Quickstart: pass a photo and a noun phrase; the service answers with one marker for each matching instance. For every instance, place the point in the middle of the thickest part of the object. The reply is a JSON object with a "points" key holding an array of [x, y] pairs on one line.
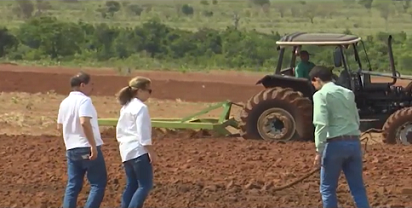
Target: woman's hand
{"points": [[153, 157], [151, 153]]}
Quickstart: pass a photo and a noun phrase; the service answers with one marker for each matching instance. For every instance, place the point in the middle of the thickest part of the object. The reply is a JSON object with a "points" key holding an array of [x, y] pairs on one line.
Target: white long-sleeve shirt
{"points": [[133, 130]]}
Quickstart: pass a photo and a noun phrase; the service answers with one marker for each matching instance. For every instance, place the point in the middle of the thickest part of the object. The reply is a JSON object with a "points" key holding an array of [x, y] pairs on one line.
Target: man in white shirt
{"points": [[77, 119]]}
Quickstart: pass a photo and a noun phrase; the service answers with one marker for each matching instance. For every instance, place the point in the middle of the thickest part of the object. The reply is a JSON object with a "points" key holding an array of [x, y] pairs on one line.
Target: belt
{"points": [[343, 138]]}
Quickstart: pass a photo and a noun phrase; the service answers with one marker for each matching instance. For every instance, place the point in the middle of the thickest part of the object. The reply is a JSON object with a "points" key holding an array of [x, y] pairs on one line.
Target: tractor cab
{"points": [[350, 76]]}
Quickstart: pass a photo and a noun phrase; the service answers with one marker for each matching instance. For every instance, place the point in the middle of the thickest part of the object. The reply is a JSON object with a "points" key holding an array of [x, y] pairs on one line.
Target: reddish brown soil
{"points": [[202, 87], [167, 85], [208, 172], [200, 173]]}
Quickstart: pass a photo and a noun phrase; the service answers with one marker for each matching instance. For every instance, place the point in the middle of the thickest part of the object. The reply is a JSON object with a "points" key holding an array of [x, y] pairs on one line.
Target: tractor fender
{"points": [[298, 84]]}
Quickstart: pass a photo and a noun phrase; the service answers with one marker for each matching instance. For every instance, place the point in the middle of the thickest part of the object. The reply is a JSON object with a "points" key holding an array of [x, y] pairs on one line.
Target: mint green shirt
{"points": [[334, 114], [303, 68]]}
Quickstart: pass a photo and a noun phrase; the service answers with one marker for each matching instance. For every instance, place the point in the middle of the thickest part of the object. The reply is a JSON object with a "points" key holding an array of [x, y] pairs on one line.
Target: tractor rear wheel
{"points": [[398, 127], [279, 114]]}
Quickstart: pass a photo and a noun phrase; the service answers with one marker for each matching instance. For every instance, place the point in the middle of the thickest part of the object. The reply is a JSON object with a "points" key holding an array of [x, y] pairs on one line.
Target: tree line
{"points": [[46, 37], [310, 10]]}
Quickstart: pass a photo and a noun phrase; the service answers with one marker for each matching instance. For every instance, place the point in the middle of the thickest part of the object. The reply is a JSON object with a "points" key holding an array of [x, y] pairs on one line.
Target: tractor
{"points": [[283, 110]]}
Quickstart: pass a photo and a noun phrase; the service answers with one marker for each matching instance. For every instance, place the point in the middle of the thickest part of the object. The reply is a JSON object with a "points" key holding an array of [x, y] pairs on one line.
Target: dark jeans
{"points": [[343, 156], [139, 173], [95, 171]]}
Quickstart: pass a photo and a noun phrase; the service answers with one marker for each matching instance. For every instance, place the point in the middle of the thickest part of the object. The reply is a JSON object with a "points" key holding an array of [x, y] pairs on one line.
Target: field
{"points": [[192, 172], [222, 34]]}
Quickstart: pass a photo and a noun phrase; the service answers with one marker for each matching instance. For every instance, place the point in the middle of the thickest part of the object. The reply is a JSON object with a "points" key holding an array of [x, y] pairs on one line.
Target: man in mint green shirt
{"points": [[338, 146], [303, 68]]}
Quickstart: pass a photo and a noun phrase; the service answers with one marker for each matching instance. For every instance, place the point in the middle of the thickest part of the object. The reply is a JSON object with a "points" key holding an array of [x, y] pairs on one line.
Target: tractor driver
{"points": [[303, 68]]}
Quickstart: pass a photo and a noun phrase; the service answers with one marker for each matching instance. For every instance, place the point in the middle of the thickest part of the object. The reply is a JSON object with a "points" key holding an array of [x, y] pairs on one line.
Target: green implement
{"points": [[194, 121]]}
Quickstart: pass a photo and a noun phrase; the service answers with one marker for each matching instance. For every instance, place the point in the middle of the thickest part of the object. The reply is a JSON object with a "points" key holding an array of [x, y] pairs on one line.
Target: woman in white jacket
{"points": [[133, 132]]}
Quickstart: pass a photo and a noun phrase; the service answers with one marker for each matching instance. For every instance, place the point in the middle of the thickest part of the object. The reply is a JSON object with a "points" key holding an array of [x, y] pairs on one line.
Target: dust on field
{"points": [[35, 114]]}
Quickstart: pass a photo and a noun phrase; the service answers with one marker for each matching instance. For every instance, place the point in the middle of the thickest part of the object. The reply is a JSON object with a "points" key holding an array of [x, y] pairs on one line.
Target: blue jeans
{"points": [[139, 182], [95, 171], [343, 156]]}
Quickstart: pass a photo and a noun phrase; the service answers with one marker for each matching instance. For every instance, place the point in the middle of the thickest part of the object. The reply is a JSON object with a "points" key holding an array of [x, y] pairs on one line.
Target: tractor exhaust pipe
{"points": [[392, 61]]}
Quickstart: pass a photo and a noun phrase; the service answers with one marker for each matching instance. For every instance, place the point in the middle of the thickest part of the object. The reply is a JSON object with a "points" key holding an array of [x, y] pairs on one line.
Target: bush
{"points": [[187, 10], [135, 9], [47, 37]]}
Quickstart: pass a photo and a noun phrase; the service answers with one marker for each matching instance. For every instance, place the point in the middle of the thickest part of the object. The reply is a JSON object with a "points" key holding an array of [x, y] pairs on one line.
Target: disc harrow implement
{"points": [[195, 124]]}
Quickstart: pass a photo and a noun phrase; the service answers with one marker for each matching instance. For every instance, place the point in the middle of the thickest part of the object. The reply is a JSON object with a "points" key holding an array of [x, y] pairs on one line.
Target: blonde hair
{"points": [[126, 94]]}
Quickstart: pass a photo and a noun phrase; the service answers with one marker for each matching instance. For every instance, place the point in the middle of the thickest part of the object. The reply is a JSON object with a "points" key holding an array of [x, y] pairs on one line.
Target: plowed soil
{"points": [[191, 172]]}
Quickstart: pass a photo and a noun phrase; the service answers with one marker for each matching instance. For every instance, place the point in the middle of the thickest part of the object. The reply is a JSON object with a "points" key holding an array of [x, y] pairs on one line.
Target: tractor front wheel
{"points": [[398, 127], [279, 114]]}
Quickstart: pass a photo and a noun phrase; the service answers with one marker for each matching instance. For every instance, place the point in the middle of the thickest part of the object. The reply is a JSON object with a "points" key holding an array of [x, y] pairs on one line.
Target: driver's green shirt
{"points": [[303, 68]]}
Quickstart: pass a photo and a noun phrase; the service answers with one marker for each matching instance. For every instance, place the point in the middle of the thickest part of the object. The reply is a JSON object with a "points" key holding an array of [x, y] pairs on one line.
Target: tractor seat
{"points": [[376, 87], [344, 80], [288, 71]]}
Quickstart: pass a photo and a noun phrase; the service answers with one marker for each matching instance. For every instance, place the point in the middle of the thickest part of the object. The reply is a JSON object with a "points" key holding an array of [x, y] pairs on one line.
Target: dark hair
{"points": [[321, 72], [80, 78], [126, 94], [304, 53]]}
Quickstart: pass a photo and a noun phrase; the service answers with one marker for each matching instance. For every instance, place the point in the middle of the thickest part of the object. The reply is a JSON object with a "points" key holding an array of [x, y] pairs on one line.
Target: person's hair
{"points": [[305, 53], [126, 94], [79, 78], [321, 72]]}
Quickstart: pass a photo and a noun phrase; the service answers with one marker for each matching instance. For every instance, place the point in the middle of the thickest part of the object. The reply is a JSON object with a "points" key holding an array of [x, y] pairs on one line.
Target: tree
{"points": [[7, 41], [260, 2], [204, 2], [109, 9], [112, 7], [236, 19], [51, 37], [295, 10], [366, 3], [385, 9], [135, 9], [42, 5], [348, 4], [207, 13], [406, 5], [281, 8], [311, 11], [401, 6], [24, 8], [187, 10]]}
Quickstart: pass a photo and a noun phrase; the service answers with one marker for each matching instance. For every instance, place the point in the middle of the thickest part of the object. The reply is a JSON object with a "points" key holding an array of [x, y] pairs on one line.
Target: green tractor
{"points": [[283, 110]]}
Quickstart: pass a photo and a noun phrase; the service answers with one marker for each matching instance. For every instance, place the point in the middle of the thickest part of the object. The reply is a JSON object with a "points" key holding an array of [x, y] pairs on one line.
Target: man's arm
{"points": [[85, 115], [144, 126], [59, 120], [355, 108], [311, 66], [320, 120], [59, 126]]}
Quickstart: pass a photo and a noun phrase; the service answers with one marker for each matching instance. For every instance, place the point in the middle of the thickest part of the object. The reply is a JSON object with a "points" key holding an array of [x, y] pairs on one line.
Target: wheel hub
{"points": [[405, 134], [276, 124]]}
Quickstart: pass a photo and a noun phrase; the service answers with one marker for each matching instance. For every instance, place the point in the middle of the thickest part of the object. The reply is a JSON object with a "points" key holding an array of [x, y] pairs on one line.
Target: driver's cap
{"points": [[304, 52]]}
